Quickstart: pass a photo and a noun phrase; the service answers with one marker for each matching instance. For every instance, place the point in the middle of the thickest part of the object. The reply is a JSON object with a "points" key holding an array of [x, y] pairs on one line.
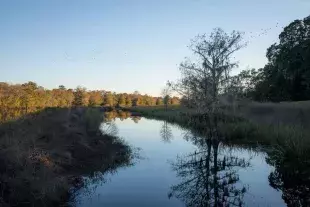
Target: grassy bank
{"points": [[286, 142], [289, 139], [45, 153]]}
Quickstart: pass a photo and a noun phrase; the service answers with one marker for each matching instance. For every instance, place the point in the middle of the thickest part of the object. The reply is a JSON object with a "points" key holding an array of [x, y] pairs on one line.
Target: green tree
{"points": [[122, 100], [128, 101], [108, 99], [95, 98], [159, 101], [140, 101], [287, 74], [81, 98], [29, 94]]}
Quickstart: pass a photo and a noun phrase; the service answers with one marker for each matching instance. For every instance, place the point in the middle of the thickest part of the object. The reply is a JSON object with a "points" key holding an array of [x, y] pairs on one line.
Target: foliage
{"points": [[95, 98], [286, 76], [30, 95], [81, 98]]}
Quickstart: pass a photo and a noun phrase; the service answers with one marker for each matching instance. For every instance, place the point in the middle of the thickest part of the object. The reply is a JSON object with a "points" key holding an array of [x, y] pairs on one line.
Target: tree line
{"points": [[30, 95], [286, 76], [206, 79]]}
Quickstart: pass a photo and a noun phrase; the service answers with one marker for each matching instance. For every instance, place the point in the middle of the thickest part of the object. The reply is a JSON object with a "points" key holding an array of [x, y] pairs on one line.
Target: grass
{"points": [[276, 129], [282, 135], [286, 113], [44, 154]]}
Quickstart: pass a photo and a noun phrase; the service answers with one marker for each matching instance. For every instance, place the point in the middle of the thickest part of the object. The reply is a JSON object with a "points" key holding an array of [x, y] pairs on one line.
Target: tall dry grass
{"points": [[283, 127], [43, 154]]}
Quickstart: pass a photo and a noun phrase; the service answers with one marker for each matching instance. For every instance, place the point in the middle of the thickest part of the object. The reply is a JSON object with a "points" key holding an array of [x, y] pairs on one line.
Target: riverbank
{"points": [[44, 154], [288, 139]]}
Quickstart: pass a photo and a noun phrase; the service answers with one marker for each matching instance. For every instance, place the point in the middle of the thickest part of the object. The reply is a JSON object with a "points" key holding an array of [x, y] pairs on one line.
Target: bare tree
{"points": [[203, 79], [209, 176]]}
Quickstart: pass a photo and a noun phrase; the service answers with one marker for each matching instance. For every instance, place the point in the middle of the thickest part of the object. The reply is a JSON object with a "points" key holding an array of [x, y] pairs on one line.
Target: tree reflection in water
{"points": [[7, 114], [136, 119], [109, 128], [166, 132], [122, 115], [292, 177], [209, 177], [112, 115]]}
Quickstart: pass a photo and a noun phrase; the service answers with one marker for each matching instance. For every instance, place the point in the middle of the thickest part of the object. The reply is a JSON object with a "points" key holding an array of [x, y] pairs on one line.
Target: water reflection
{"points": [[209, 177], [291, 177], [109, 128], [97, 178], [166, 132], [136, 119], [208, 172], [122, 115], [112, 115]]}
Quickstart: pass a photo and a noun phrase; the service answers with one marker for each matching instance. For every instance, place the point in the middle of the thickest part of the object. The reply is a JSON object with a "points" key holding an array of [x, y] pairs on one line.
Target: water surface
{"points": [[177, 168]]}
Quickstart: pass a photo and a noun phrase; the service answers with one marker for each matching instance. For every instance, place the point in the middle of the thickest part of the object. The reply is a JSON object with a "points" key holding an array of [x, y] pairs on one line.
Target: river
{"points": [[176, 168]]}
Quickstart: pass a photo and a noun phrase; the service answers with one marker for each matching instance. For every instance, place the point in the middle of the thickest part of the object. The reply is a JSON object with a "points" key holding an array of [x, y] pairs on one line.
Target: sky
{"points": [[127, 45]]}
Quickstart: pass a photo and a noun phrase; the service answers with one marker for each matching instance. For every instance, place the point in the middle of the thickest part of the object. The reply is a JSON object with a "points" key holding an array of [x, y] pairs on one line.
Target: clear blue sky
{"points": [[126, 45]]}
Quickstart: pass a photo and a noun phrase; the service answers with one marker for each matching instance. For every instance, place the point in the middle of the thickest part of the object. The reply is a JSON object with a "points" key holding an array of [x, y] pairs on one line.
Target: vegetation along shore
{"points": [[47, 152]]}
